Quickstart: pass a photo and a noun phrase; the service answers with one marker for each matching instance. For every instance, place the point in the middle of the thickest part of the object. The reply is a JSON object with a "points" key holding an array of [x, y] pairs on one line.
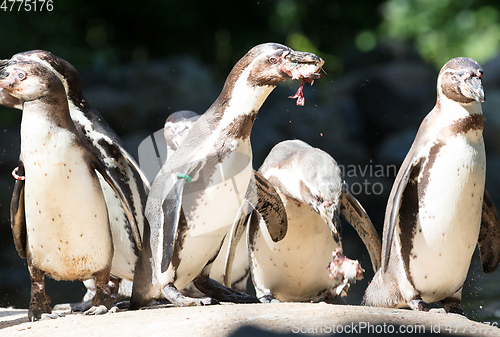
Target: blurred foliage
{"points": [[444, 29], [103, 34], [106, 33]]}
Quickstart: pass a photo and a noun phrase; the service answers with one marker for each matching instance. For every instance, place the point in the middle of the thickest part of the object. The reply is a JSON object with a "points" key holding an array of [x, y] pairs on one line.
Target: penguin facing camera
{"points": [[438, 209]]}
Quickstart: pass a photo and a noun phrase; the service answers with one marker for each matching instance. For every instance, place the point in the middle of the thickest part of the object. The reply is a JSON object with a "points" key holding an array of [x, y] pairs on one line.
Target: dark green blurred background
{"points": [[142, 61]]}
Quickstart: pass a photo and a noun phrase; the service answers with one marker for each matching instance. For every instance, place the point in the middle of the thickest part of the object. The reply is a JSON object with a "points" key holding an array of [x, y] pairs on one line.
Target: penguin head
{"points": [[307, 175], [177, 127], [7, 99], [460, 80], [272, 63], [321, 187], [66, 73], [28, 81]]}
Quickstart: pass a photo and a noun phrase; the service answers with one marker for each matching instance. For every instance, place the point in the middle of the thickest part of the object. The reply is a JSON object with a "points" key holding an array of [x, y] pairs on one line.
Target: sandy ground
{"points": [[245, 320]]}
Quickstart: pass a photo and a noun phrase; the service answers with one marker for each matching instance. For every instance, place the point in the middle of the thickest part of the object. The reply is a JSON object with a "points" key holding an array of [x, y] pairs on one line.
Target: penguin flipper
{"points": [[125, 199], [263, 198], [115, 144], [18, 216], [240, 223], [134, 165], [489, 235], [394, 213], [172, 209], [352, 211], [271, 208]]}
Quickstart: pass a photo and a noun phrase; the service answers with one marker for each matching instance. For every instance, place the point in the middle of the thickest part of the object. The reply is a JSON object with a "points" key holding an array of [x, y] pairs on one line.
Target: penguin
{"points": [[198, 193], [103, 142], [176, 129], [438, 209], [61, 221], [309, 182]]}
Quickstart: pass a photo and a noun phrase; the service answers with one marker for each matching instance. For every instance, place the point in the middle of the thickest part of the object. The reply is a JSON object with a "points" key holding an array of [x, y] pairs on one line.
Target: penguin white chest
{"points": [[294, 269], [210, 211], [66, 217], [448, 221]]}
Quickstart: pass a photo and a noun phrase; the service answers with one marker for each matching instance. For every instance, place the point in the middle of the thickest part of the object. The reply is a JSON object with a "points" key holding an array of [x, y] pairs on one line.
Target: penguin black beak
{"points": [[3, 72], [473, 89], [309, 62], [331, 216], [5, 79], [6, 99], [303, 57]]}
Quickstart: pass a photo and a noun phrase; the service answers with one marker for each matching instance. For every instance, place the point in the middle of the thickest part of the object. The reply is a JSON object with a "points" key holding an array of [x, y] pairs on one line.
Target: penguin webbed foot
{"points": [[452, 306], [267, 298], [419, 305], [100, 310], [75, 307], [85, 305], [102, 301], [87, 308], [39, 306], [52, 315], [39, 301], [222, 293], [171, 293], [122, 305], [332, 298]]}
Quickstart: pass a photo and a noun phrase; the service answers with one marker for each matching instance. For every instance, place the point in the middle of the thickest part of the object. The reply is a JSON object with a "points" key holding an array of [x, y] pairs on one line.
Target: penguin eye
{"points": [[273, 59], [21, 75]]}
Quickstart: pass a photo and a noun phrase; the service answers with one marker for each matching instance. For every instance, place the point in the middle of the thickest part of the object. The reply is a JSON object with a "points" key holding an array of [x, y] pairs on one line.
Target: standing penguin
{"points": [[61, 222], [309, 183], [198, 193], [433, 216], [102, 141]]}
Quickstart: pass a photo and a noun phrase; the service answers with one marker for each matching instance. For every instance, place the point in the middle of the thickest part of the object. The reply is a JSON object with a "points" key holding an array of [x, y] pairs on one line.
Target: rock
{"points": [[239, 320]]}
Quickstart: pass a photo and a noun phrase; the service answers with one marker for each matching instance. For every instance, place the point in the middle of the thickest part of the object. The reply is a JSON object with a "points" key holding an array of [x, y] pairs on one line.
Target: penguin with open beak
{"points": [[438, 209], [198, 193]]}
